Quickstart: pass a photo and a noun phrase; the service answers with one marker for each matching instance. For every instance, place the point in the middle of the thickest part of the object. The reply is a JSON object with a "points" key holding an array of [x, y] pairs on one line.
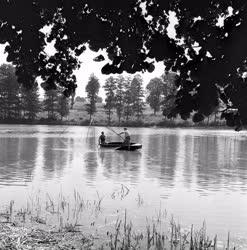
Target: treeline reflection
{"points": [[206, 163], [209, 162], [19, 157]]}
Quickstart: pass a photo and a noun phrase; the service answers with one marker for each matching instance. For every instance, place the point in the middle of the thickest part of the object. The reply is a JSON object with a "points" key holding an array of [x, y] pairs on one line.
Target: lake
{"points": [[191, 174]]}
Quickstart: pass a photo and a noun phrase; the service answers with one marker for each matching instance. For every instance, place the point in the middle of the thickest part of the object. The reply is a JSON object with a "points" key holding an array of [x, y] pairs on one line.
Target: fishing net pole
{"points": [[111, 129]]}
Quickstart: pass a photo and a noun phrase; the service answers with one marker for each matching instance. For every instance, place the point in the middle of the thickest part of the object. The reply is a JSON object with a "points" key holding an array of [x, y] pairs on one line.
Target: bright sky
{"points": [[88, 66]]}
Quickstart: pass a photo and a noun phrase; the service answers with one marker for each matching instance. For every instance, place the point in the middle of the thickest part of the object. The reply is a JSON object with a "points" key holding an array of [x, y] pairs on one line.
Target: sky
{"points": [[88, 66]]}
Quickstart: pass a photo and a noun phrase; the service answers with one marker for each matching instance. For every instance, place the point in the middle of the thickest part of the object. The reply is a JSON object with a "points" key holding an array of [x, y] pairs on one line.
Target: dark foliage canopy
{"points": [[208, 55]]}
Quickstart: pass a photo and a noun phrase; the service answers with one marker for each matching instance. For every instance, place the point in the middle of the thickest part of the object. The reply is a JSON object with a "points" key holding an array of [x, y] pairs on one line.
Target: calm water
{"points": [[193, 174]]}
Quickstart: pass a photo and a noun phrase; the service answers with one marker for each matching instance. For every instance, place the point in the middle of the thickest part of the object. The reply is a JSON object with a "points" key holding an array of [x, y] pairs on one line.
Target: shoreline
{"points": [[86, 123], [24, 230]]}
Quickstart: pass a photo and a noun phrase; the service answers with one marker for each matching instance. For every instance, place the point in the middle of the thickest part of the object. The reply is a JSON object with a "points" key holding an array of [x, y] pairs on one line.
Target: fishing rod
{"points": [[114, 132]]}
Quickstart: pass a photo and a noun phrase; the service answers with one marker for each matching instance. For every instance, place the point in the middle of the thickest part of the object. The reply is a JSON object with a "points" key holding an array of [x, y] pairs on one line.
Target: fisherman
{"points": [[126, 136], [102, 138]]}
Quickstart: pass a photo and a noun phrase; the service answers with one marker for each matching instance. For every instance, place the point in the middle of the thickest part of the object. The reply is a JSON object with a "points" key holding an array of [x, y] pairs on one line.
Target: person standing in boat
{"points": [[102, 138], [126, 136]]}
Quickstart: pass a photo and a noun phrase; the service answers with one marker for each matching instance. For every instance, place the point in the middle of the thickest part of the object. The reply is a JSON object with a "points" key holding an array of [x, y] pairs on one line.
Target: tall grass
{"points": [[125, 237], [160, 232]]}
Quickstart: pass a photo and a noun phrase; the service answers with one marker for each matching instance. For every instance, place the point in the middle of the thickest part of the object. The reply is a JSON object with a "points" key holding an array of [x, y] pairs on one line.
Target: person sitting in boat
{"points": [[126, 136], [102, 138]]}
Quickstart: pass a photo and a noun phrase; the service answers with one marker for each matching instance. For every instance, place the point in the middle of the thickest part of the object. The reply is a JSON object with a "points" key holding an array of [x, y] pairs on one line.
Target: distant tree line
{"points": [[55, 104], [125, 96], [161, 92], [18, 102]]}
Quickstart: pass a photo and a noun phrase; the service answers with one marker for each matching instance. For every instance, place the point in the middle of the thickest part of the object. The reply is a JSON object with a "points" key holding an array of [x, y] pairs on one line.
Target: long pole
{"points": [[115, 132]]}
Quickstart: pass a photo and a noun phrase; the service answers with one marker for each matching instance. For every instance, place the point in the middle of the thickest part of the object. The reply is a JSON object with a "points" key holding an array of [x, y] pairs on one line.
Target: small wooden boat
{"points": [[131, 147], [113, 144]]}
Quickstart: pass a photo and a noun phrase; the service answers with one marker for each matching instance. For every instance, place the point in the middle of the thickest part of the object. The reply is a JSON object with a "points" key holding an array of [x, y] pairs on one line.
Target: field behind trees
{"points": [[79, 116]]}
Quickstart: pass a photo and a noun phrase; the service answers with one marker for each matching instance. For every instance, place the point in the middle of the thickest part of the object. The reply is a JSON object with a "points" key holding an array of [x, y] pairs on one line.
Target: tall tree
{"points": [[154, 89], [127, 99], [63, 106], [120, 97], [30, 102], [169, 91], [80, 99], [110, 89], [9, 93], [92, 90], [99, 99], [50, 103], [137, 94]]}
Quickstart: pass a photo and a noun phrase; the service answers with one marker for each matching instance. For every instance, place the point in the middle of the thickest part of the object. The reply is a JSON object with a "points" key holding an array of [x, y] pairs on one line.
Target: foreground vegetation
{"points": [[58, 225], [15, 236]]}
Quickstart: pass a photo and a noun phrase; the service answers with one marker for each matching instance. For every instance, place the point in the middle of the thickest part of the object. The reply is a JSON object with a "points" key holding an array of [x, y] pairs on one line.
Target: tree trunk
{"points": [[109, 116]]}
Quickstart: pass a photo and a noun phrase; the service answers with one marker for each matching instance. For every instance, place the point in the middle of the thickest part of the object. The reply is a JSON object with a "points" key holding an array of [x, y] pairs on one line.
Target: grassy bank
{"points": [[32, 228], [79, 117], [14, 236]]}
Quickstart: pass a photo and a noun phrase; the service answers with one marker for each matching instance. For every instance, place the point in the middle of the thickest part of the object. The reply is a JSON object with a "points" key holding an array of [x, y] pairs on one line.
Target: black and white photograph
{"points": [[123, 124]]}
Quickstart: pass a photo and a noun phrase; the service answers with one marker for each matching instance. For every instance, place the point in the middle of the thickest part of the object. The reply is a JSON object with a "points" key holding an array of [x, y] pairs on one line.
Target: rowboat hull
{"points": [[112, 144], [130, 147]]}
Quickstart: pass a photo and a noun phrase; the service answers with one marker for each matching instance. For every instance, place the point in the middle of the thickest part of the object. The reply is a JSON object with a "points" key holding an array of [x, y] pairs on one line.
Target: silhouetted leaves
{"points": [[99, 58], [208, 53]]}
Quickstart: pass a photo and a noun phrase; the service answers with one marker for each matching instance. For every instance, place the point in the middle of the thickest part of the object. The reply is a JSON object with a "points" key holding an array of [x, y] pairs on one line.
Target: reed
{"points": [[160, 232], [125, 236]]}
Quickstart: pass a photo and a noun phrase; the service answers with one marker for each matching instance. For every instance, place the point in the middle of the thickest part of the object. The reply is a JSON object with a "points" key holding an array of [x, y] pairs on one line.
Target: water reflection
{"points": [[17, 160], [190, 168], [161, 158], [206, 157], [90, 158], [202, 162], [120, 165], [56, 156], [188, 172], [218, 165], [91, 165]]}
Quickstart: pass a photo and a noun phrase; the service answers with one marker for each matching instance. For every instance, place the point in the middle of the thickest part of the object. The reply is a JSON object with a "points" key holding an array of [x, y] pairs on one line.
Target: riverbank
{"points": [[46, 223], [34, 233], [162, 124], [23, 237], [78, 116]]}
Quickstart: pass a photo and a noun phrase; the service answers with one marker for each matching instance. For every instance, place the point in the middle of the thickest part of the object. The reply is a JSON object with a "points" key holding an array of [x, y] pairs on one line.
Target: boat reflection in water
{"points": [[121, 146]]}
